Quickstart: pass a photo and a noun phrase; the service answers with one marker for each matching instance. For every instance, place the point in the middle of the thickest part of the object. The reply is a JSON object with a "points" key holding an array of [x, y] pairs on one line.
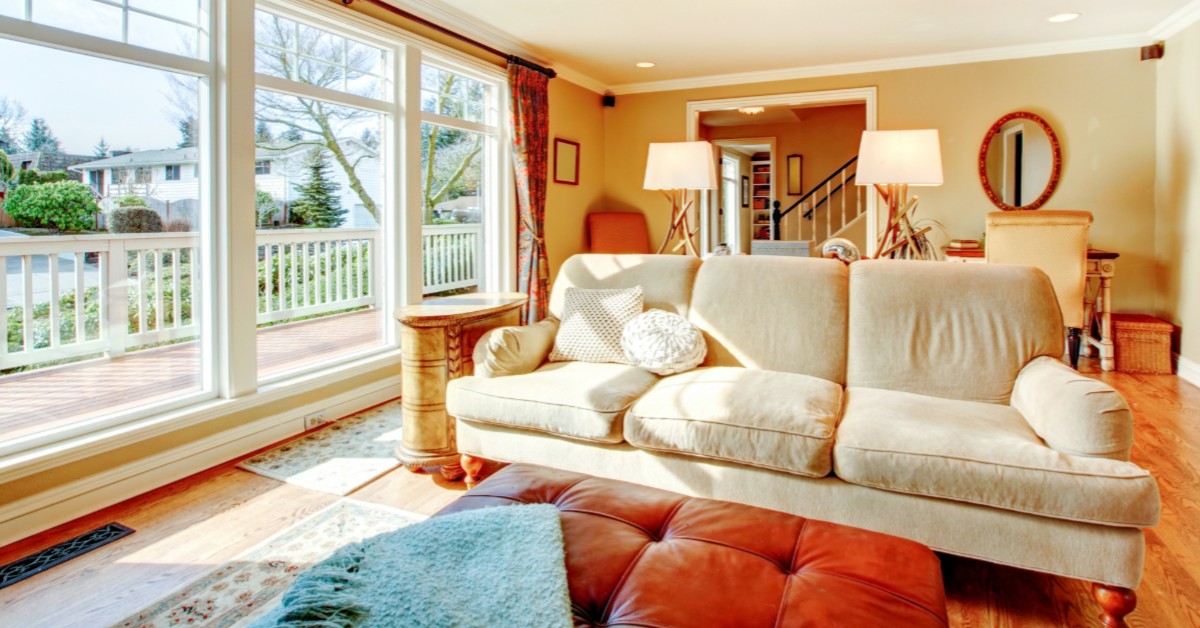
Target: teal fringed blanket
{"points": [[500, 566]]}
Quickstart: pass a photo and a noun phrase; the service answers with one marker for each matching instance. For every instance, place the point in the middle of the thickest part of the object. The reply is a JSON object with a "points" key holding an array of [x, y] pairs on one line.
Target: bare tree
{"points": [[447, 154], [12, 118]]}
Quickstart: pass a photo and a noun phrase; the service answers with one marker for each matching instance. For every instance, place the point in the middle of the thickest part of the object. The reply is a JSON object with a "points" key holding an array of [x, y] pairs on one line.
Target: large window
{"points": [[158, 290], [100, 321], [321, 202], [459, 129]]}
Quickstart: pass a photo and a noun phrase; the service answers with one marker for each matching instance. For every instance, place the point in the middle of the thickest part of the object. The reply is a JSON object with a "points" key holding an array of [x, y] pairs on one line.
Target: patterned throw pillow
{"points": [[663, 343], [592, 321]]}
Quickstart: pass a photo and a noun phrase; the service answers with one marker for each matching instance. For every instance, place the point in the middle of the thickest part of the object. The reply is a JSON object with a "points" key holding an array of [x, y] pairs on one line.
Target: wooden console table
{"points": [[437, 339], [1101, 266]]}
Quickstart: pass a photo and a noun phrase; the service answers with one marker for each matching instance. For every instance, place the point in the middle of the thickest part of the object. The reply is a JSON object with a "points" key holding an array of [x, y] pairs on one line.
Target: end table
{"points": [[437, 338]]}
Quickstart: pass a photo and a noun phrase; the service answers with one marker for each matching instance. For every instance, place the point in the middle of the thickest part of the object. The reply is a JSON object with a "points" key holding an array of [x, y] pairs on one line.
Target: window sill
{"points": [[46, 456]]}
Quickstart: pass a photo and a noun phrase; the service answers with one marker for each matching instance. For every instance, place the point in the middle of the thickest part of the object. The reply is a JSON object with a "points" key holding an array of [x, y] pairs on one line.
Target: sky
{"points": [[84, 98]]}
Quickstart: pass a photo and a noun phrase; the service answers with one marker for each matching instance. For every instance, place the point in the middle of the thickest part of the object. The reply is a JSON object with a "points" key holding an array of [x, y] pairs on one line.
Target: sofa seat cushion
{"points": [[984, 454], [577, 399], [781, 421]]}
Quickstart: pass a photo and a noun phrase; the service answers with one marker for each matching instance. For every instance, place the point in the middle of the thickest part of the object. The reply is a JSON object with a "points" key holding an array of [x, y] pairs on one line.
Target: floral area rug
{"points": [[250, 585], [339, 458]]}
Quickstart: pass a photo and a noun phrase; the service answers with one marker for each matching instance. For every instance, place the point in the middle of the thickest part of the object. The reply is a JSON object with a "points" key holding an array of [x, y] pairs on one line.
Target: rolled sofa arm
{"points": [[1073, 413], [514, 350]]}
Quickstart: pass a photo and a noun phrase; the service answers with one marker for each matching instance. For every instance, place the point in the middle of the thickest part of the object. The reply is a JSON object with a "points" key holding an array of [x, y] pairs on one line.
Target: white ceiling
{"points": [[598, 43]]}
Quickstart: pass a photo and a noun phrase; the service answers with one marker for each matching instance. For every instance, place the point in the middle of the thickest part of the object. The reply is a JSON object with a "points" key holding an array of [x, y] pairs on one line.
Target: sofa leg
{"points": [[473, 467], [1074, 342], [1117, 602]]}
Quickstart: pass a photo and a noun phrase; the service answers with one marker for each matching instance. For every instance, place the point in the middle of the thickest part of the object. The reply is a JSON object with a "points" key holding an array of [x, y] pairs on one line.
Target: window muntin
{"points": [[262, 166], [174, 26], [294, 51], [452, 94]]}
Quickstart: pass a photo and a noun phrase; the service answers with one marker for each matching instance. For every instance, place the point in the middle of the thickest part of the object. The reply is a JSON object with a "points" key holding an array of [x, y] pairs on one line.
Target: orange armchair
{"points": [[618, 232]]}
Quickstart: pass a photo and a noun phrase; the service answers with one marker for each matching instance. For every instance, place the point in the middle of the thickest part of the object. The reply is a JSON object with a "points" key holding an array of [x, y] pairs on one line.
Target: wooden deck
{"points": [[44, 399]]}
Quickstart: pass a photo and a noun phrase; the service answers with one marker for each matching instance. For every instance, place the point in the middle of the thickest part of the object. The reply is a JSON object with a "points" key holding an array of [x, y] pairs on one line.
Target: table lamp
{"points": [[892, 161], [676, 168]]}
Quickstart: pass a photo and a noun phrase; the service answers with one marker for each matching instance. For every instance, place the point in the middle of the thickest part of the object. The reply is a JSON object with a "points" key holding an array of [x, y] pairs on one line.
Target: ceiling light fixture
{"points": [[644, 64], [1063, 17], [752, 111]]}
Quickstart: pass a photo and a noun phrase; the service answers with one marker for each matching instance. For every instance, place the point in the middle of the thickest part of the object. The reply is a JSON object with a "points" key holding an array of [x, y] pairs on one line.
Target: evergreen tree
{"points": [[319, 204], [292, 134], [101, 149], [262, 133], [39, 138], [188, 128]]}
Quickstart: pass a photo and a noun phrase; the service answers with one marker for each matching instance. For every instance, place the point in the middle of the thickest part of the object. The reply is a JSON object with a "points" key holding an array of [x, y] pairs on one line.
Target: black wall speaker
{"points": [[609, 100]]}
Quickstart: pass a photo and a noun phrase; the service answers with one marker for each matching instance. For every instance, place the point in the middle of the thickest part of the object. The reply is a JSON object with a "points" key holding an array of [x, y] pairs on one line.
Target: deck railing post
{"points": [[114, 297]]}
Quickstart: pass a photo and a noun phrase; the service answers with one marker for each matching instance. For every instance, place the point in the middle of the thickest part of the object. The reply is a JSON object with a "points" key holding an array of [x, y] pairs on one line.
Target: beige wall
{"points": [[577, 115], [1178, 189], [1102, 105]]}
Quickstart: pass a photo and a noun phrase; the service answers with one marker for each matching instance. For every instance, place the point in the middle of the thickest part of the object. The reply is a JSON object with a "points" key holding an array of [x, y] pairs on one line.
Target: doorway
{"points": [[713, 221]]}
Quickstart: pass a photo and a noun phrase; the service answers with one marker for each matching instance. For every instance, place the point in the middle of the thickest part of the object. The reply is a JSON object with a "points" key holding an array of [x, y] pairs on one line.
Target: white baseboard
{"points": [[42, 511], [1187, 370]]}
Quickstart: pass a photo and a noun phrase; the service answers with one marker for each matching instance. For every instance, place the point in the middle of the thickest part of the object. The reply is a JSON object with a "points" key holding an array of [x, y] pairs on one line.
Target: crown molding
{"points": [[898, 63], [1177, 21], [452, 18]]}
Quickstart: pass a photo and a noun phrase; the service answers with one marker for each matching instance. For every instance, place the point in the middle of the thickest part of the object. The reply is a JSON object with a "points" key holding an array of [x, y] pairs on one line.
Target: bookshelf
{"points": [[761, 193]]}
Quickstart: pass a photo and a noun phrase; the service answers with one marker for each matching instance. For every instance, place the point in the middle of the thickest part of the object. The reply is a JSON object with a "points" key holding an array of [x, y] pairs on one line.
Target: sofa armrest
{"points": [[514, 350], [1073, 413]]}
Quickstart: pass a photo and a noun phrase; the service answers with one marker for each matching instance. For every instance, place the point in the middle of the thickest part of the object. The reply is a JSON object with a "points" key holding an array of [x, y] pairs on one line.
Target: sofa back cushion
{"points": [[666, 280], [957, 331], [775, 313]]}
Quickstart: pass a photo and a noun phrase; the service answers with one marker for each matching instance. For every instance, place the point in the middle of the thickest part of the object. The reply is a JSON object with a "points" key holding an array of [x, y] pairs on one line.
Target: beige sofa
{"points": [[924, 400]]}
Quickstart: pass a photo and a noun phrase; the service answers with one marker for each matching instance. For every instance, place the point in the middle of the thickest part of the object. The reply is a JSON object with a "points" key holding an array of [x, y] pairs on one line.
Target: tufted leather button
{"points": [[647, 557]]}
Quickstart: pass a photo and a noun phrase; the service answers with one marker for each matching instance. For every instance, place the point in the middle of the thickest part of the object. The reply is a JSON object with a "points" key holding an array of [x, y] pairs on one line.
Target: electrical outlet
{"points": [[314, 420]]}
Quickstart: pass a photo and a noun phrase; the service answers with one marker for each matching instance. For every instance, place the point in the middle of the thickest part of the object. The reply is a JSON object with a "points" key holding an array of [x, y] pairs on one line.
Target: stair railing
{"points": [[821, 194]]}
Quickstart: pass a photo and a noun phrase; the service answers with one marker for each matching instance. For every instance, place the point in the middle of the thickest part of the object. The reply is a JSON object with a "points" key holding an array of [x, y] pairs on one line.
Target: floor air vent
{"points": [[34, 564]]}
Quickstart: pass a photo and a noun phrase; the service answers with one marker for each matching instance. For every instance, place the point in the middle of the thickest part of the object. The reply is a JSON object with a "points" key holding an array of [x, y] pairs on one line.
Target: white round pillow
{"points": [[663, 343]]}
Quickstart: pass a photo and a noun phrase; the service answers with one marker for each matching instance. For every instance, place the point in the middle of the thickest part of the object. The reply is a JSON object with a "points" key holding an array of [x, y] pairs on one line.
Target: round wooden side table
{"points": [[437, 339]]}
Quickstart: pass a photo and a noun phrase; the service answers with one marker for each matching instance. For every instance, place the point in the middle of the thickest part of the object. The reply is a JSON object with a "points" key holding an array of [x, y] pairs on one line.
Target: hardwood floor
{"points": [[188, 527]]}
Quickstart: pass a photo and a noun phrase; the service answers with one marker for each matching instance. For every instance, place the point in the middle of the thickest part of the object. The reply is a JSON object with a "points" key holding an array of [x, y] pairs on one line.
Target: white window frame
{"points": [[205, 70], [496, 157]]}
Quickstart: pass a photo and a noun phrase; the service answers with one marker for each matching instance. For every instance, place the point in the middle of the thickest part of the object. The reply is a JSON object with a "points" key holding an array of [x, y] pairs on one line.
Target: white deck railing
{"points": [[137, 289]]}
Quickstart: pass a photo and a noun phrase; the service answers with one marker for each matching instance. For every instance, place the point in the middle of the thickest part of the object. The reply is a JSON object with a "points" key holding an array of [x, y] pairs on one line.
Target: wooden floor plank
{"points": [[189, 526]]}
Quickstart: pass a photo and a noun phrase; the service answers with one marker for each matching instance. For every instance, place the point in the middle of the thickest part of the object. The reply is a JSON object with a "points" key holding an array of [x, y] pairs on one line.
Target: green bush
{"points": [[33, 177], [320, 272], [134, 220], [63, 205], [131, 201]]}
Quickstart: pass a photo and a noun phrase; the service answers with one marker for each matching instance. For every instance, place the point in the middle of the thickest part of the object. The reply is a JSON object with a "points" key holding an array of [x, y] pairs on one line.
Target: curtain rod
{"points": [[463, 38]]}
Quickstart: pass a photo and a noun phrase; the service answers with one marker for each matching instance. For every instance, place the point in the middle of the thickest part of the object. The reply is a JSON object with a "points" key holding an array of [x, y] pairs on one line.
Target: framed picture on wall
{"points": [[795, 167], [566, 162], [745, 191]]}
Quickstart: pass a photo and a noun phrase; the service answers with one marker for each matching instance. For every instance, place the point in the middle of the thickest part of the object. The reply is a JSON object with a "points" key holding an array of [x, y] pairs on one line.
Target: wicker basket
{"points": [[1143, 344]]}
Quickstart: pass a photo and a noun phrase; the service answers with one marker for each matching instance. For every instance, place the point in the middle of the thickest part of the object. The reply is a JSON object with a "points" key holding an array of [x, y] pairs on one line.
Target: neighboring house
{"points": [[49, 162], [169, 177]]}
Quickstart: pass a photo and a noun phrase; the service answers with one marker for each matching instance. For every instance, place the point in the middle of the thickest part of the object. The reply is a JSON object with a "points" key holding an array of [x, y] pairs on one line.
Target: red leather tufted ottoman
{"points": [[647, 557]]}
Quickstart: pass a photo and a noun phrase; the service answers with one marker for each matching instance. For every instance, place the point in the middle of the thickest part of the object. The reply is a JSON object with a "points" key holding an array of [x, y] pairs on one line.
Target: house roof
{"points": [[185, 156]]}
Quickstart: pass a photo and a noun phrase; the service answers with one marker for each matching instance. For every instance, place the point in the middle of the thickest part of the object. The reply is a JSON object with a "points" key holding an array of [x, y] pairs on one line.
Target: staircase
{"points": [[828, 210]]}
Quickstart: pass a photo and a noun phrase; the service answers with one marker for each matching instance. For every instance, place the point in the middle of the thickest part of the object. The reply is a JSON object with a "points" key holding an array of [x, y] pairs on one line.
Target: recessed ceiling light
{"points": [[645, 64], [1063, 17]]}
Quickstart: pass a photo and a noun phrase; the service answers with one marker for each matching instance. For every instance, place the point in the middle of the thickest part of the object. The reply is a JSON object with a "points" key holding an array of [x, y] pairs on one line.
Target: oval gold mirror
{"points": [[1020, 162]]}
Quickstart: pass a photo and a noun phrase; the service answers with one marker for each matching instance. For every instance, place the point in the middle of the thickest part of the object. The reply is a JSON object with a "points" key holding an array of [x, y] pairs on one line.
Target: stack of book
{"points": [[964, 245], [964, 249]]}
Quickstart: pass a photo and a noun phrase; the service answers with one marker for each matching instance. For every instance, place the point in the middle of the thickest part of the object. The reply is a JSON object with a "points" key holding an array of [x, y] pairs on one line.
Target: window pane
{"points": [[454, 95], [82, 16], [187, 11], [453, 197], [298, 52], [167, 25], [104, 160], [164, 35], [320, 192]]}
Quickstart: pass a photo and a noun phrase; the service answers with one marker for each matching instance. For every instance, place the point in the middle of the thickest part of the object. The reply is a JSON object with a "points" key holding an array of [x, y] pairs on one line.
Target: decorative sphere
{"points": [[720, 250], [841, 249]]}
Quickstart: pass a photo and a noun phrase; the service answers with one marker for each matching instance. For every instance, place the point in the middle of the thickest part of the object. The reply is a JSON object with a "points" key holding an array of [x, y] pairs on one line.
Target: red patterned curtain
{"points": [[531, 130]]}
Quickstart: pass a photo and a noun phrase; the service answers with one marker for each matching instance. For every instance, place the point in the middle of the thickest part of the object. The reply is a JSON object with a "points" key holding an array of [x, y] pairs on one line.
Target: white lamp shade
{"points": [[910, 157], [681, 166]]}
